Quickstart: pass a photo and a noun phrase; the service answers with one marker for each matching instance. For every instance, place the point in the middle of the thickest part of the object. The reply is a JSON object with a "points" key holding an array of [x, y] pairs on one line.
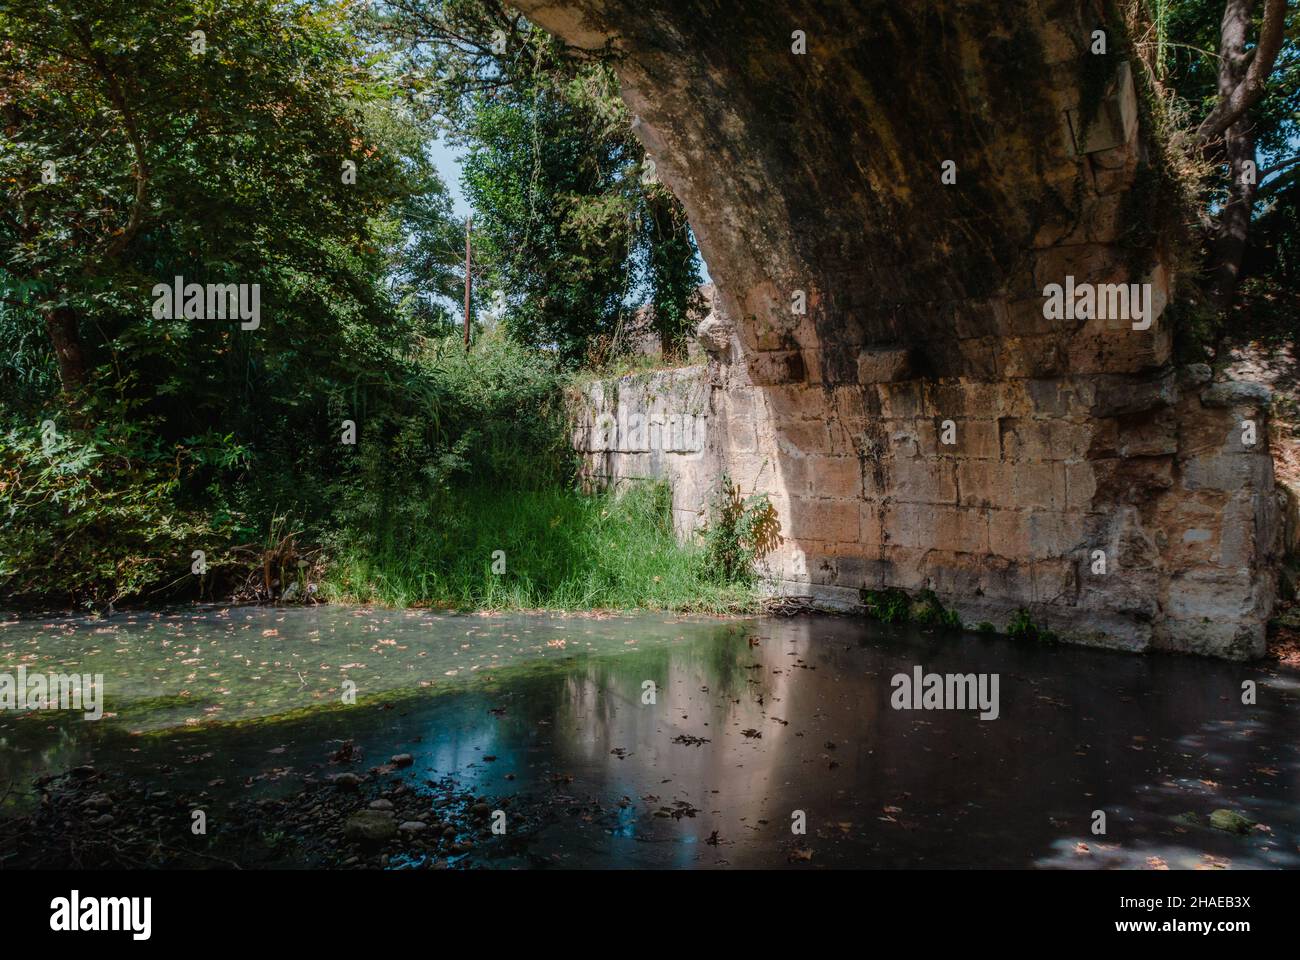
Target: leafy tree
{"points": [[556, 202], [570, 224], [141, 140], [148, 139]]}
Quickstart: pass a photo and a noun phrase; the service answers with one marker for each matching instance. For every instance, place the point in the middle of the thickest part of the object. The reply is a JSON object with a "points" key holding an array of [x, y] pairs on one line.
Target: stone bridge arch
{"points": [[816, 180]]}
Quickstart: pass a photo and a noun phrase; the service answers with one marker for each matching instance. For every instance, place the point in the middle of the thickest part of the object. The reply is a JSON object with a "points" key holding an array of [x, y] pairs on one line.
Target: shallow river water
{"points": [[755, 725]]}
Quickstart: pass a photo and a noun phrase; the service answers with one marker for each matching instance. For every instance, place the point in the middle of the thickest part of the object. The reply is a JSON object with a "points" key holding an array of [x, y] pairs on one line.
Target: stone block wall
{"points": [[1119, 517], [651, 427]]}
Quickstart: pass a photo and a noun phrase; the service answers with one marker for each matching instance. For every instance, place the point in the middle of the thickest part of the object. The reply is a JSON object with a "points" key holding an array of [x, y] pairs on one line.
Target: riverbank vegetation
{"points": [[342, 441], [326, 431]]}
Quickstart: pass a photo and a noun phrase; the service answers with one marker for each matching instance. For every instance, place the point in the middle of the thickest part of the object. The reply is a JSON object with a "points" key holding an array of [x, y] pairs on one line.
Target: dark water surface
{"points": [[795, 713]]}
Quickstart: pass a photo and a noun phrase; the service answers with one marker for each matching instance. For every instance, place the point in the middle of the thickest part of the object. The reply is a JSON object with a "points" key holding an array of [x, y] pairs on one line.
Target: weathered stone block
{"points": [[816, 519], [1039, 486], [981, 483], [1114, 122], [884, 365], [1031, 356], [1032, 439], [1055, 582], [923, 525], [1080, 486], [921, 481], [971, 438], [900, 401], [1236, 393], [835, 477]]}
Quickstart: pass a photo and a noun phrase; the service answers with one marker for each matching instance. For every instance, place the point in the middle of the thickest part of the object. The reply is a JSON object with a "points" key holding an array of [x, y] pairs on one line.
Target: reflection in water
{"points": [[751, 721]]}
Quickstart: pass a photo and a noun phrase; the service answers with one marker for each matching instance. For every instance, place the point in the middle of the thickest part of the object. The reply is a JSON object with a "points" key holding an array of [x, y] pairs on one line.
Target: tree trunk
{"points": [[1228, 247], [1228, 243], [61, 325]]}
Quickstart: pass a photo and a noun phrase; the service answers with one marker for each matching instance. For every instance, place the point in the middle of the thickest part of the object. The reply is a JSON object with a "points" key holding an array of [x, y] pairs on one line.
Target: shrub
{"points": [[740, 532], [1022, 627], [895, 606], [92, 516], [887, 606]]}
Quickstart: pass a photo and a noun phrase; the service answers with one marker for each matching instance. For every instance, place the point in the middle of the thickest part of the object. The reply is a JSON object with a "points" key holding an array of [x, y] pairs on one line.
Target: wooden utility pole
{"points": [[468, 221]]}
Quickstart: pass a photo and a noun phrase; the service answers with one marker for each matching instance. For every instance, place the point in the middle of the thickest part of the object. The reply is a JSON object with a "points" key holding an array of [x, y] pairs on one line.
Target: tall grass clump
{"points": [[554, 548], [463, 496]]}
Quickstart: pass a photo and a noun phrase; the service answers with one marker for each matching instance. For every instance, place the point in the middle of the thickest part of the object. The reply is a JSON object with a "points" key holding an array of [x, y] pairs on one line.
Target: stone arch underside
{"points": [[821, 173]]}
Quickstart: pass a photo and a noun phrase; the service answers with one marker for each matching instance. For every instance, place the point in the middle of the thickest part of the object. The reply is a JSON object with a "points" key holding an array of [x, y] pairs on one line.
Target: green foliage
{"points": [[928, 610], [740, 532], [1022, 627], [90, 517], [561, 550], [219, 166], [493, 419], [1186, 37], [226, 165], [887, 606], [552, 222], [224, 169], [893, 605], [570, 223]]}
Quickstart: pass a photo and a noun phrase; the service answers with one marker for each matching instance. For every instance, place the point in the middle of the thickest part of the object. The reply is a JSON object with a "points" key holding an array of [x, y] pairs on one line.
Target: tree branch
{"points": [[1280, 165], [1244, 95], [118, 99]]}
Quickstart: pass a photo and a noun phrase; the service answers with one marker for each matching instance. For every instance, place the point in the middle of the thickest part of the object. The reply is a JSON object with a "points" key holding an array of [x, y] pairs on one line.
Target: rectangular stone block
{"points": [[1054, 535], [921, 481], [979, 320], [1080, 486], [870, 525], [1225, 472], [777, 367], [972, 438], [899, 566], [1038, 534], [1031, 439], [1055, 582], [1113, 346], [1214, 595], [966, 399], [1009, 534], [803, 437], [1147, 434], [982, 483], [925, 526], [978, 357], [1039, 486], [901, 400], [1025, 318], [884, 365], [814, 519], [835, 477], [1041, 355]]}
